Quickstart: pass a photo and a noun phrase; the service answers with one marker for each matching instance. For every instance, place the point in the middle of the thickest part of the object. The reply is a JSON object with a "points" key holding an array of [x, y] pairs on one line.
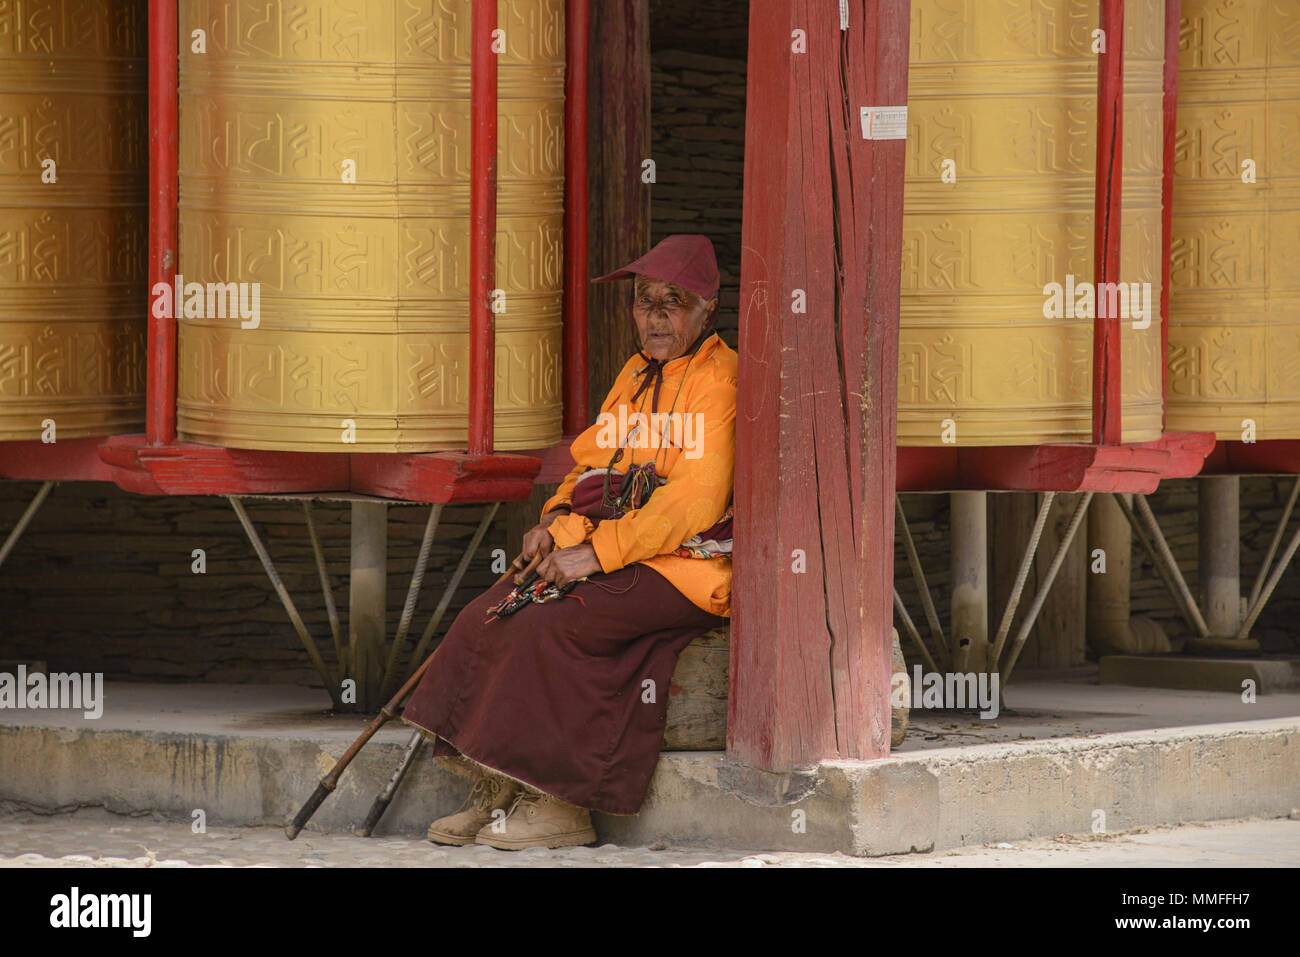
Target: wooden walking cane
{"points": [[413, 746], [387, 713], [323, 790]]}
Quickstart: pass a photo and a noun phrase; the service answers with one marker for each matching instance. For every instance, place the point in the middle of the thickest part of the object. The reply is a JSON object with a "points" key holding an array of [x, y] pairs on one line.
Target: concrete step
{"points": [[250, 755]]}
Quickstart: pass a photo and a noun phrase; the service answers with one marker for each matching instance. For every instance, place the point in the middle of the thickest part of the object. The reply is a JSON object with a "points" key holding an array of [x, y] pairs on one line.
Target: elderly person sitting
{"points": [[560, 706]]}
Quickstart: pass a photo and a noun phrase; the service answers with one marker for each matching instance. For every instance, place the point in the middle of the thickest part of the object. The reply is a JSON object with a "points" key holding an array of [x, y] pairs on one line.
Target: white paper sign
{"points": [[884, 122]]}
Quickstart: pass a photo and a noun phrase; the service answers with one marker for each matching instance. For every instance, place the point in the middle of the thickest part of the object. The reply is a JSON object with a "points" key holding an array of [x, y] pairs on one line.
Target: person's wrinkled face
{"points": [[668, 317]]}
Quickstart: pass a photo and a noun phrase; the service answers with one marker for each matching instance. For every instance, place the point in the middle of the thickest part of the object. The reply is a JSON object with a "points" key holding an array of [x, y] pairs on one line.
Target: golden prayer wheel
{"points": [[1001, 159], [1234, 329], [73, 217], [325, 155]]}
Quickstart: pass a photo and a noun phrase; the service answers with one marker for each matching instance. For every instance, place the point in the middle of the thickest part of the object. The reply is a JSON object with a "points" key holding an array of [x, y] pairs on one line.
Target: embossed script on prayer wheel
{"points": [[1001, 158], [73, 216], [325, 155], [1234, 312]]}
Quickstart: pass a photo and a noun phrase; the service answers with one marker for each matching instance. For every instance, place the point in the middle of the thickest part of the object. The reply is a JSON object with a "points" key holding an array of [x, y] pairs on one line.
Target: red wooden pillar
{"points": [[823, 208]]}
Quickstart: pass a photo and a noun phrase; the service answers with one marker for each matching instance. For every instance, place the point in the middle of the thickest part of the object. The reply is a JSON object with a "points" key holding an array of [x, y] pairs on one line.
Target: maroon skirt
{"points": [[570, 697]]}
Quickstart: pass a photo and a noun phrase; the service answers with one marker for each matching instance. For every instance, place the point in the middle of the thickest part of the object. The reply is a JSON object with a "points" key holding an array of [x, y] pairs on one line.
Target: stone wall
{"points": [[697, 105], [102, 580]]}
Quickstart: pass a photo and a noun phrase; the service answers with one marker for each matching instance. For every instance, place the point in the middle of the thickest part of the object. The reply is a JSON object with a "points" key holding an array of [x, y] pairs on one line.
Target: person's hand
{"points": [[537, 543], [537, 540], [564, 565]]}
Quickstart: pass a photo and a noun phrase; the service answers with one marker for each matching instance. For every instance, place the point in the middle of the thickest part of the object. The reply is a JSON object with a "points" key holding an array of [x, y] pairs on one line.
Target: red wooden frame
{"points": [[483, 225], [1169, 110], [575, 217], [1107, 397], [1068, 466], [160, 388]]}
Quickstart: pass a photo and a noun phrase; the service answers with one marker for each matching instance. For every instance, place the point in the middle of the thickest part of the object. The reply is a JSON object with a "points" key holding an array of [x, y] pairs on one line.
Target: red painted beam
{"points": [[812, 597], [447, 477], [67, 460], [1107, 399], [1081, 467], [575, 217], [1274, 457], [188, 468], [483, 224], [160, 389], [1173, 14]]}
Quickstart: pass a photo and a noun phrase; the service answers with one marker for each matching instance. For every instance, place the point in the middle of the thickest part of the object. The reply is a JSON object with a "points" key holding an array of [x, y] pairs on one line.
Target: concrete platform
{"points": [[1065, 750], [1268, 675]]}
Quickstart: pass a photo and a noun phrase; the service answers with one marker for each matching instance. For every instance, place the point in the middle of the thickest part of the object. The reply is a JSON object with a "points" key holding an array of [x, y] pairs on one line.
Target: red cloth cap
{"points": [[683, 258]]}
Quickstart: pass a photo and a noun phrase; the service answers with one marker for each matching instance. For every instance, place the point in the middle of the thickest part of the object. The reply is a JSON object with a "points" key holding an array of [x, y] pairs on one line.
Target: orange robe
{"points": [[696, 457]]}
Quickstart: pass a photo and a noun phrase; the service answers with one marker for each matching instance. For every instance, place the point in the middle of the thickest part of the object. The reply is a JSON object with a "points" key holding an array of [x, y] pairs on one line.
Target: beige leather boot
{"points": [[491, 792], [539, 820], [460, 766]]}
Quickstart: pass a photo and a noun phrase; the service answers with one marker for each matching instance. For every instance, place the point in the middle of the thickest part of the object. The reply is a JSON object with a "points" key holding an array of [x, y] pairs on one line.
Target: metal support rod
{"points": [[1180, 597], [1045, 586], [1272, 546], [1022, 573], [1258, 605], [922, 587], [368, 598], [1109, 591], [1153, 527], [1219, 552], [454, 583], [336, 629], [24, 519], [910, 627], [969, 617], [331, 683], [412, 593]]}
